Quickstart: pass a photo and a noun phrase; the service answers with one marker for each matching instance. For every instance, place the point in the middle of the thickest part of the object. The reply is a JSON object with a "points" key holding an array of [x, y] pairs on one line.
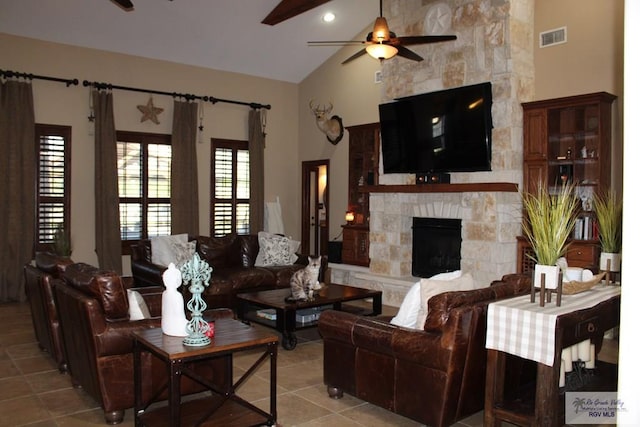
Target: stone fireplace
{"points": [[495, 43], [490, 220]]}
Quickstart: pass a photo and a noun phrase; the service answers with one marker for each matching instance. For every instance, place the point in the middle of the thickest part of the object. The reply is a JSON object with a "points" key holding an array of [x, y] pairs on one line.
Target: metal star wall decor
{"points": [[150, 112]]}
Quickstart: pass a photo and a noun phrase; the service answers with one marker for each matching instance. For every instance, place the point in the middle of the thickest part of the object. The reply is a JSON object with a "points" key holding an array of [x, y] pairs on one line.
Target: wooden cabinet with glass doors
{"points": [[364, 142], [568, 140]]}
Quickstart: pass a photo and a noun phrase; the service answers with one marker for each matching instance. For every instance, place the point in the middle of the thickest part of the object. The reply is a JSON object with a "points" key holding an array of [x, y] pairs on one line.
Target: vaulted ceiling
{"points": [[220, 34]]}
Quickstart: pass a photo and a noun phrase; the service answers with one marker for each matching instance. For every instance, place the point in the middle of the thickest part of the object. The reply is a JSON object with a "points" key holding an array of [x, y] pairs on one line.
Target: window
{"points": [[144, 185], [229, 187], [53, 178]]}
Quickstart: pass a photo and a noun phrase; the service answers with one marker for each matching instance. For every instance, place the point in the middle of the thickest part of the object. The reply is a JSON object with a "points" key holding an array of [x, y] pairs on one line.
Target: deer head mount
{"points": [[330, 126]]}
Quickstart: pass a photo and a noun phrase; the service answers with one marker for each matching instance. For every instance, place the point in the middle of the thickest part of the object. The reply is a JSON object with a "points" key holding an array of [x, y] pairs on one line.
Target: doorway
{"points": [[315, 207]]}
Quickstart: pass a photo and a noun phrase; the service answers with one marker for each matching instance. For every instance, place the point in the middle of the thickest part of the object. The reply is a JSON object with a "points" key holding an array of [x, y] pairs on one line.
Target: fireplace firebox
{"points": [[436, 246]]}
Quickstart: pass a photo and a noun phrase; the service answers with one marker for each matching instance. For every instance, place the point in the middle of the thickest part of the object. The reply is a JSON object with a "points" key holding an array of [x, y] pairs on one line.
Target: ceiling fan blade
{"points": [[334, 42], [409, 40], [409, 54], [358, 54], [289, 8], [126, 5]]}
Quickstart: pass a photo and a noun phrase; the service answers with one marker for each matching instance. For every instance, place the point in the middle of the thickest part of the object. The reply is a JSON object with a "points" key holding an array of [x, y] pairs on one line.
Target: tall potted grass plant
{"points": [[608, 209], [550, 220]]}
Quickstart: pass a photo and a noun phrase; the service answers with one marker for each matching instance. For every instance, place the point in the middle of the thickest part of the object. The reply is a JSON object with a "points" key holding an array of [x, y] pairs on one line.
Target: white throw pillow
{"points": [[275, 250], [408, 313], [293, 248], [431, 287], [162, 248], [138, 308]]}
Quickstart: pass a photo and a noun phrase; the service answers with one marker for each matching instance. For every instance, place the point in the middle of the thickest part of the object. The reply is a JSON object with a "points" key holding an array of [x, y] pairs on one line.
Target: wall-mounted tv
{"points": [[443, 131]]}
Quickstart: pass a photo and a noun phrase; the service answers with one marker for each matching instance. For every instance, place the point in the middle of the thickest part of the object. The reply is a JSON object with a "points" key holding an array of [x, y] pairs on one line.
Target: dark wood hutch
{"points": [[568, 140], [364, 143]]}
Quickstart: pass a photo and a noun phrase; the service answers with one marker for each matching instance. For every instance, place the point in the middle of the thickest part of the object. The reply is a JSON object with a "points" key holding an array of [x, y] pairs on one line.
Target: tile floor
{"points": [[34, 393]]}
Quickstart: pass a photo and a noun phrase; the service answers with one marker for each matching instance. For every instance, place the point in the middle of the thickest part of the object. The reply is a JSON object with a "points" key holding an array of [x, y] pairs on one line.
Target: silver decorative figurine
{"points": [[197, 272]]}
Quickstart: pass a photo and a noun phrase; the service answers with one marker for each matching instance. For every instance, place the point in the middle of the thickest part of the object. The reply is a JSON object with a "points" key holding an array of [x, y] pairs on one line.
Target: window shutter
{"points": [[53, 147]]}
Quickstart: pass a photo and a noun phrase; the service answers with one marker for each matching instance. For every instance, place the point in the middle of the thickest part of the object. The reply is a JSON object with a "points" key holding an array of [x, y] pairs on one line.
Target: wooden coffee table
{"points": [[285, 319], [220, 407]]}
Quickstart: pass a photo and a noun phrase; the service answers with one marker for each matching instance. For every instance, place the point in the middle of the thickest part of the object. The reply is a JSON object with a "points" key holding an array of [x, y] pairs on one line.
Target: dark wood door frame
{"points": [[307, 168]]}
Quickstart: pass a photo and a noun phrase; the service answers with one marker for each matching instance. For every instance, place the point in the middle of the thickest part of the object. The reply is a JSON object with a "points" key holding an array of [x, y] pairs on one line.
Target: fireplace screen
{"points": [[436, 246]]}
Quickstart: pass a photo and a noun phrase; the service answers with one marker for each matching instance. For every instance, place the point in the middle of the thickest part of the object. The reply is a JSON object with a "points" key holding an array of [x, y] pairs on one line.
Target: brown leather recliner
{"points": [[96, 330], [44, 314], [435, 376]]}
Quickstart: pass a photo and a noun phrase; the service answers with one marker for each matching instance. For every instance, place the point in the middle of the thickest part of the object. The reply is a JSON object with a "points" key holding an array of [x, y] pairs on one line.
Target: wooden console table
{"points": [[517, 326]]}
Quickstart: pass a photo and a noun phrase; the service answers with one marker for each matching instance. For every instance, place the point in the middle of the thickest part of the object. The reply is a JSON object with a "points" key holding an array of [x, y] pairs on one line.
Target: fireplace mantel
{"points": [[443, 188]]}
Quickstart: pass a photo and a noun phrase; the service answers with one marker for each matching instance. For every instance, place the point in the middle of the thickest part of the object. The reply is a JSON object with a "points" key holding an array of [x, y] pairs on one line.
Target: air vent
{"points": [[553, 37]]}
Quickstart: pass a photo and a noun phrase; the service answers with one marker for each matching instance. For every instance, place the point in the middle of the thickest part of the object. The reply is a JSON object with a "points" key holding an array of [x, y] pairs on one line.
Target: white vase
{"points": [[612, 260], [551, 273]]}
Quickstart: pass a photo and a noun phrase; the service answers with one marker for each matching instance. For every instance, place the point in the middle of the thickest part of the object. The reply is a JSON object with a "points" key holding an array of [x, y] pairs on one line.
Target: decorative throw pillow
{"points": [[162, 251], [138, 308], [407, 315], [431, 287], [275, 250], [183, 252]]}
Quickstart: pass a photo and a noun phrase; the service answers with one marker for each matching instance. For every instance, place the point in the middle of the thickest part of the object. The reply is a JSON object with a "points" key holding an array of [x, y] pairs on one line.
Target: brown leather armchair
{"points": [[96, 330], [435, 376], [44, 314]]}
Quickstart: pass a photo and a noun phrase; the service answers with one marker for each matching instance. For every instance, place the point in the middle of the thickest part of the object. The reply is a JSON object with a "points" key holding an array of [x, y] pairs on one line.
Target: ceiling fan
{"points": [[382, 43]]}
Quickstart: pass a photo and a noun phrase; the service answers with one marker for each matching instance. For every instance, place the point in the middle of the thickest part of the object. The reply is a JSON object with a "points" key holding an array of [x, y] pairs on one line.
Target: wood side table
{"points": [[221, 407], [568, 327]]}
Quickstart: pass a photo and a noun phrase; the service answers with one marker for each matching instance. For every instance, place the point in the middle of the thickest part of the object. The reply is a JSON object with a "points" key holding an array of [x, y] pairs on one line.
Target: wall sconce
{"points": [[349, 216]]}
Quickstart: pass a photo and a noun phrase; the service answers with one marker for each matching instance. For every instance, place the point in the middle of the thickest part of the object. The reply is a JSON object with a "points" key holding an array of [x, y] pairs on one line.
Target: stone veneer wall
{"points": [[495, 43]]}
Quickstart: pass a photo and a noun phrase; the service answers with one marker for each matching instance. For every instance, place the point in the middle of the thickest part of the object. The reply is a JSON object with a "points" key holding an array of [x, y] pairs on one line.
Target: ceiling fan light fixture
{"points": [[380, 30], [381, 51]]}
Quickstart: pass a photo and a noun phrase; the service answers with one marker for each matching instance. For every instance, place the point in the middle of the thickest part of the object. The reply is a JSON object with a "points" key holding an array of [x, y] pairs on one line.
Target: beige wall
{"points": [[355, 98], [591, 59], [57, 104]]}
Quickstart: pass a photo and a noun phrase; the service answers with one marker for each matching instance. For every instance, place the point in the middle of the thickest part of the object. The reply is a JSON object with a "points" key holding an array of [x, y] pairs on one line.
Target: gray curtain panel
{"points": [[256, 172], [108, 243], [184, 169], [17, 186]]}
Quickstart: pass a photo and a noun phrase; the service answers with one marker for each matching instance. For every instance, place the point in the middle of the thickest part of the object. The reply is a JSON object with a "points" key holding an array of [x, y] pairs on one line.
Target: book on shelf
{"points": [[267, 313], [586, 228]]}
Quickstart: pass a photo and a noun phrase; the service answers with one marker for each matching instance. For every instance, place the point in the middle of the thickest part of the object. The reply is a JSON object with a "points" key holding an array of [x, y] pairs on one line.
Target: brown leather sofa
{"points": [[44, 314], [233, 260], [435, 376], [96, 330]]}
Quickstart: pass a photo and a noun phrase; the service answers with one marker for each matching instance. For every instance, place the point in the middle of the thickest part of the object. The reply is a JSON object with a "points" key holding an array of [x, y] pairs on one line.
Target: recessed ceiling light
{"points": [[329, 17]]}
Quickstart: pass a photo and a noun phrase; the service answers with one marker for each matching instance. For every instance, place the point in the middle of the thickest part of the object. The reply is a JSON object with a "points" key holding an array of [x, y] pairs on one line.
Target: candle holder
{"points": [[197, 272]]}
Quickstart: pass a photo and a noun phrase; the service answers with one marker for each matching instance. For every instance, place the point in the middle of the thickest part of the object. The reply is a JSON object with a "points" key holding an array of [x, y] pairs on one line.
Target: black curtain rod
{"points": [[11, 74], [187, 96]]}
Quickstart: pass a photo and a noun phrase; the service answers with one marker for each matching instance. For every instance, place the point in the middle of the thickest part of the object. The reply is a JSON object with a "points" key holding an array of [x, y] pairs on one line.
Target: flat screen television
{"points": [[443, 131]]}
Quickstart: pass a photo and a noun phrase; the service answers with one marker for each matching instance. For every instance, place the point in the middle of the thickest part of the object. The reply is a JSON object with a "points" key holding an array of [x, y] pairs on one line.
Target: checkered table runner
{"points": [[520, 327]]}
